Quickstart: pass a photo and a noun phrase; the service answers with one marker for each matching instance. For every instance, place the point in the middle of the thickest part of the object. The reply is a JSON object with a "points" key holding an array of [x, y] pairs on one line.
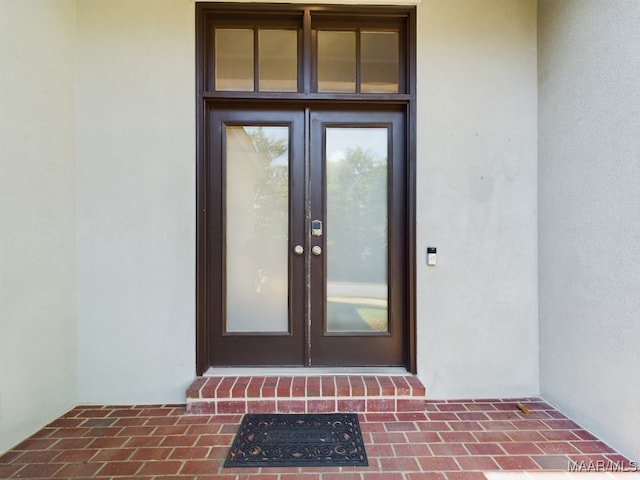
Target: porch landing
{"points": [[457, 440], [305, 394]]}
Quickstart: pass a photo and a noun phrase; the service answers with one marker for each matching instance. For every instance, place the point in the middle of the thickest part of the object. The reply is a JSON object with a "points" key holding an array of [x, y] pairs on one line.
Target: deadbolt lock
{"points": [[316, 228]]}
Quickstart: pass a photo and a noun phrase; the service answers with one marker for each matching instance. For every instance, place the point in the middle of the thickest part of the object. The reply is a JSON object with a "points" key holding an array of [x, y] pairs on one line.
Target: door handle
{"points": [[298, 249], [317, 251]]}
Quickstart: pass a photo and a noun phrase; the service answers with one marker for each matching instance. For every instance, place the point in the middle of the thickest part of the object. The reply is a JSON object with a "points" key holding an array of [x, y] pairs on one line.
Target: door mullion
{"points": [[307, 236]]}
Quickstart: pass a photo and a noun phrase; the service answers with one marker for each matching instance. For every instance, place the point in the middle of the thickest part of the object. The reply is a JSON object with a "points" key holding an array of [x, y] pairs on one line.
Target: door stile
{"points": [[307, 237], [316, 212], [214, 216]]}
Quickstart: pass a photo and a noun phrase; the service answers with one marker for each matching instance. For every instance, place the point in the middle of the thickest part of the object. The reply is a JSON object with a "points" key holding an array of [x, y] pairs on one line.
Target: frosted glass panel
{"points": [[336, 61], [234, 59], [357, 292], [379, 62], [257, 221], [278, 60]]}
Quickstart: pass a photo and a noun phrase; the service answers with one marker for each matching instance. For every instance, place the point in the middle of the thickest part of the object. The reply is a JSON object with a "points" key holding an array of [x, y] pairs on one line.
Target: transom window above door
{"points": [[310, 51]]}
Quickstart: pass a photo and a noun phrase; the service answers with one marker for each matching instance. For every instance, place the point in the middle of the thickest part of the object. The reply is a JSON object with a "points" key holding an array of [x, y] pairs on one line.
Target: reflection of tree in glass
{"points": [[357, 217], [271, 188]]}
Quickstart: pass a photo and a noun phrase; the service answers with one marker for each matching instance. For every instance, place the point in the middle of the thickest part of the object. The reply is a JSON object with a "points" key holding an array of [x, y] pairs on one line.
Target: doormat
{"points": [[298, 440]]}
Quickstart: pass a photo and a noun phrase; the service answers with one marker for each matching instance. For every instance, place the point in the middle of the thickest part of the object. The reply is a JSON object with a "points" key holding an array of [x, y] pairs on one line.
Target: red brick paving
{"points": [[448, 441]]}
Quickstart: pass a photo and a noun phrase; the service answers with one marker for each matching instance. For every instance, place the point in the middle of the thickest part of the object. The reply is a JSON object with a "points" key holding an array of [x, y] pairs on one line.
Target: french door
{"points": [[306, 236]]}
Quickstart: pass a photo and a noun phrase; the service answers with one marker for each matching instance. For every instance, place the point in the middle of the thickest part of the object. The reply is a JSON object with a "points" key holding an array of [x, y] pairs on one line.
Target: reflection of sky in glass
{"points": [[274, 134], [339, 140]]}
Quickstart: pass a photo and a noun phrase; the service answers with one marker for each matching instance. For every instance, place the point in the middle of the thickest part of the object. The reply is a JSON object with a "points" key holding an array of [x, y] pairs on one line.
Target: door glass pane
{"points": [[379, 62], [336, 61], [356, 169], [234, 59], [278, 60], [257, 222]]}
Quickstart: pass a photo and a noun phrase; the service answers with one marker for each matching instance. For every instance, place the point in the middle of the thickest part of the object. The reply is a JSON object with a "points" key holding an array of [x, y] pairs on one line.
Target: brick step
{"points": [[305, 394]]}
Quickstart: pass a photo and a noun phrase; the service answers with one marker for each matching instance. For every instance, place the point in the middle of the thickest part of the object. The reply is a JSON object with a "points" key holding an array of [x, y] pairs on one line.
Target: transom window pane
{"points": [[278, 52], [379, 62], [234, 59], [336, 61]]}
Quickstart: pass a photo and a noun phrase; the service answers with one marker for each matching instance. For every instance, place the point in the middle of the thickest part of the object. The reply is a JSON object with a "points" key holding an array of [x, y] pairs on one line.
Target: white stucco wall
{"points": [[477, 316], [134, 109], [476, 190], [38, 320], [136, 200], [589, 169]]}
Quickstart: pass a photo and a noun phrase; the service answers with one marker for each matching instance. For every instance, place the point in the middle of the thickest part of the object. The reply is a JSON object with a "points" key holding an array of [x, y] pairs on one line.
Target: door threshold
{"points": [[302, 371]]}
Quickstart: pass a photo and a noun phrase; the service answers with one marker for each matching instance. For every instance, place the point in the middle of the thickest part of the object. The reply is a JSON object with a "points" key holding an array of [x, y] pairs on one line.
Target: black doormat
{"points": [[297, 440]]}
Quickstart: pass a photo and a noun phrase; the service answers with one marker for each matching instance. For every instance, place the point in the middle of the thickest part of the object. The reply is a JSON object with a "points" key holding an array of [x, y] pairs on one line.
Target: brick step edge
{"points": [[207, 406], [328, 387]]}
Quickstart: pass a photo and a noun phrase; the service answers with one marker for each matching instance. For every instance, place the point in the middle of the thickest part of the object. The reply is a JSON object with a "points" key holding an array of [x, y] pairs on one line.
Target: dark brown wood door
{"points": [[256, 204], [306, 238], [357, 277]]}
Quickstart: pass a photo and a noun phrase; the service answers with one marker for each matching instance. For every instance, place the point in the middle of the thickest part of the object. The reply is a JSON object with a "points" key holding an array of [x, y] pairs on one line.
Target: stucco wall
{"points": [[476, 189], [135, 138], [38, 320], [136, 200], [477, 313], [589, 172]]}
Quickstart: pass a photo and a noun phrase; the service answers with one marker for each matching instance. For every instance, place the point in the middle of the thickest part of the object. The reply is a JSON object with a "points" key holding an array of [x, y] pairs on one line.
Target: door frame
{"points": [[206, 15]]}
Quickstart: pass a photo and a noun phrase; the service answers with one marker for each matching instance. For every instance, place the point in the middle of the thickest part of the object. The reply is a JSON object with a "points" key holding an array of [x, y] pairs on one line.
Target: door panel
{"points": [[358, 174], [257, 198]]}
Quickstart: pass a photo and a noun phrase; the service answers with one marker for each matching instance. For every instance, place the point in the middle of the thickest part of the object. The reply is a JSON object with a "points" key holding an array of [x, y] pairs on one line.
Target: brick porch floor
{"points": [[448, 441]]}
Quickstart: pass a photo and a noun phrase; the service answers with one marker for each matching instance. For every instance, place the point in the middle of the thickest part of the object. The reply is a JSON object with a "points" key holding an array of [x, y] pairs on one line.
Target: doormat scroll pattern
{"points": [[298, 440]]}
